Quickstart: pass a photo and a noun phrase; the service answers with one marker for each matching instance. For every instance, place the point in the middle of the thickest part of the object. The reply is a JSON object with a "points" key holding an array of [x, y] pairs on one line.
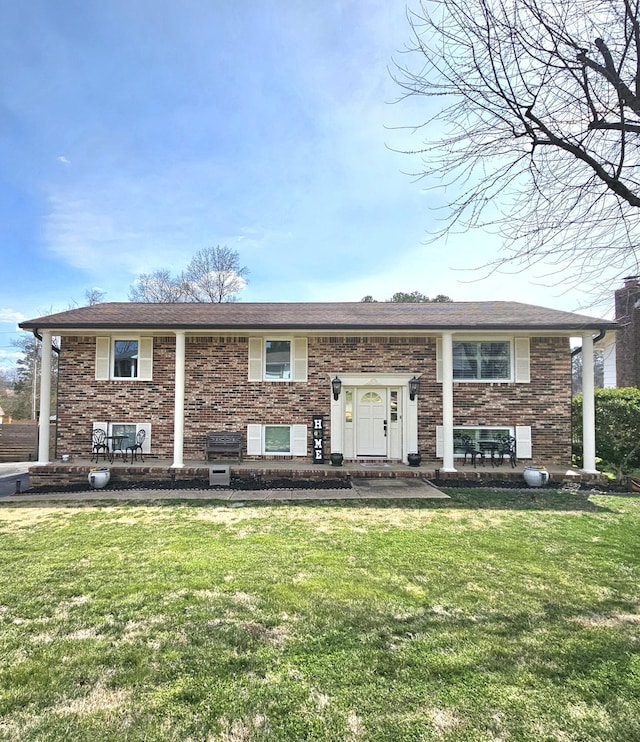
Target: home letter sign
{"points": [[318, 439]]}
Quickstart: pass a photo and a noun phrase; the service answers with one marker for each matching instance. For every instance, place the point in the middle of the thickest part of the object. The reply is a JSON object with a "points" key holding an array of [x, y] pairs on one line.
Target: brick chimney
{"points": [[627, 301]]}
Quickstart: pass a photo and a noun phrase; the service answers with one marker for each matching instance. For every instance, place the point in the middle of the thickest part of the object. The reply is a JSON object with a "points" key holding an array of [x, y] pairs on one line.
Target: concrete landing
{"points": [[363, 489]]}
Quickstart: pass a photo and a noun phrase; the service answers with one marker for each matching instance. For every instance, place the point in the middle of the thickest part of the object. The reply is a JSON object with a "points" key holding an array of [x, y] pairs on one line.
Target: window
{"points": [[348, 406], [125, 359], [394, 406], [277, 359], [485, 360], [125, 434], [478, 436], [127, 430], [277, 439]]}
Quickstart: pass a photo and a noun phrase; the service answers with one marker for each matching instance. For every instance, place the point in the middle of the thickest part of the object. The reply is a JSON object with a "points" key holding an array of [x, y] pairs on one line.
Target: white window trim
{"points": [[510, 428], [522, 434], [519, 361], [256, 440], [108, 427], [105, 354], [277, 339], [298, 359]]}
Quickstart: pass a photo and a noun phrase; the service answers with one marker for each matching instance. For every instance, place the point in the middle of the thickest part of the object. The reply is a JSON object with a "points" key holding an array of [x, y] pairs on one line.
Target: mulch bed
{"points": [[237, 483], [515, 484]]}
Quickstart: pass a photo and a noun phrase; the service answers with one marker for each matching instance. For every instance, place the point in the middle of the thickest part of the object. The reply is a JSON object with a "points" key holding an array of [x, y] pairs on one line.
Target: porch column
{"points": [[45, 399], [178, 404], [447, 402], [588, 408]]}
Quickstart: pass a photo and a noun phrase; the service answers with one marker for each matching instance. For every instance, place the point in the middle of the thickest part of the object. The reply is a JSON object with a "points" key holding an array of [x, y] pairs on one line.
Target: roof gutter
{"points": [[39, 336], [596, 339]]}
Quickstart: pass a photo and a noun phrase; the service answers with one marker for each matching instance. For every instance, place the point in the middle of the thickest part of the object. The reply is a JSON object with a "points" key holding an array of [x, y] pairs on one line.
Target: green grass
{"points": [[492, 616]]}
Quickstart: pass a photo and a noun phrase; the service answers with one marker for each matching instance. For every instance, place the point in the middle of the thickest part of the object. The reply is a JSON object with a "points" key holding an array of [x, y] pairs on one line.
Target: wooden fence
{"points": [[19, 441]]}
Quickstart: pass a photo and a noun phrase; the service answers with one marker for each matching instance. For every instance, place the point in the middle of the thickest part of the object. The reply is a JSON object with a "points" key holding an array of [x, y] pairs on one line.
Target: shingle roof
{"points": [[343, 316]]}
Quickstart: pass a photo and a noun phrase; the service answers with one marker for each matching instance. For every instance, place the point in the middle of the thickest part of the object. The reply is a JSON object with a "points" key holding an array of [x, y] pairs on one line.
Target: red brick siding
{"points": [[219, 397]]}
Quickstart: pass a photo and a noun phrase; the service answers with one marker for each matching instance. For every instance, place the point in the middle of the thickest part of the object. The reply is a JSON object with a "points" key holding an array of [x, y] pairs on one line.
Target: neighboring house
{"points": [[177, 371], [627, 345]]}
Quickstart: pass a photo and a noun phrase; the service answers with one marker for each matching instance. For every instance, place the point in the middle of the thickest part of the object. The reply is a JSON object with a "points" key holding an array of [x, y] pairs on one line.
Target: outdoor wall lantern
{"points": [[414, 386], [336, 386]]}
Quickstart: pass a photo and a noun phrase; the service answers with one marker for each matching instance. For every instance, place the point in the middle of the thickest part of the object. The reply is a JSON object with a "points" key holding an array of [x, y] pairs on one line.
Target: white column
{"points": [[45, 399], [178, 404], [588, 408], [447, 402]]}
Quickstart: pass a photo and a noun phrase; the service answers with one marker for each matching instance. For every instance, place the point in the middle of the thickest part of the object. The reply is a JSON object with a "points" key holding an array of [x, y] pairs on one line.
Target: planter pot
{"points": [[99, 478], [336, 459], [536, 476], [414, 459]]}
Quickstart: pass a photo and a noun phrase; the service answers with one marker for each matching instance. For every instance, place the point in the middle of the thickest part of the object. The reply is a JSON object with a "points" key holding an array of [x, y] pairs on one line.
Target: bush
{"points": [[617, 428]]}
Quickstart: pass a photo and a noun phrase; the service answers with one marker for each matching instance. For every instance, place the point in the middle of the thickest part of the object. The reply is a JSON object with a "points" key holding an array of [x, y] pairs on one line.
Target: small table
{"points": [[492, 447], [115, 442]]}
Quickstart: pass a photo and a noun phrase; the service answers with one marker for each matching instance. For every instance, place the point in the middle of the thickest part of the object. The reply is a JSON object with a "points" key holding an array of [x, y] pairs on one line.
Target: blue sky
{"points": [[133, 133]]}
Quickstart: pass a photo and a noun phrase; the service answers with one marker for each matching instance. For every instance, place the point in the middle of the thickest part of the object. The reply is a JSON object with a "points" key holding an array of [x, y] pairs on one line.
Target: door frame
{"points": [[408, 407]]}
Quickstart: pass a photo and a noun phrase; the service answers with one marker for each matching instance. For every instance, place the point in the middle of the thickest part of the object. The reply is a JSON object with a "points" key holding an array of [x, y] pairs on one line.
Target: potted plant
{"points": [[414, 459], [99, 478], [535, 476], [336, 459]]}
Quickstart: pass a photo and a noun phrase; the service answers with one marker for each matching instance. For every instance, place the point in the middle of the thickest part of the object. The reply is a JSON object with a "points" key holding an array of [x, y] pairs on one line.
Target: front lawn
{"points": [[492, 616]]}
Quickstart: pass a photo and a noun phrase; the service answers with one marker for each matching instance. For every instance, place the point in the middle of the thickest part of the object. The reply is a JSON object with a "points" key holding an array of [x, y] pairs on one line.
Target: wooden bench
{"points": [[223, 443]]}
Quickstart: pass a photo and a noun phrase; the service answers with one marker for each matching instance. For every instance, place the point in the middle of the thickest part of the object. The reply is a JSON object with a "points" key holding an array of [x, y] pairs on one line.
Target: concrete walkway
{"points": [[12, 472], [362, 489]]}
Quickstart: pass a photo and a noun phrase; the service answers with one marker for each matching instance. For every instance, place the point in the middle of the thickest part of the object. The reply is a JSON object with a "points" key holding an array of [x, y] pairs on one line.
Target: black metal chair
{"points": [[507, 450], [469, 449], [100, 444], [137, 446]]}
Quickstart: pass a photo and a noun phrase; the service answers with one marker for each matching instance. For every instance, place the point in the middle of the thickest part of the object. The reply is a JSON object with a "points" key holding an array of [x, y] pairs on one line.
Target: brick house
{"points": [[384, 379]]}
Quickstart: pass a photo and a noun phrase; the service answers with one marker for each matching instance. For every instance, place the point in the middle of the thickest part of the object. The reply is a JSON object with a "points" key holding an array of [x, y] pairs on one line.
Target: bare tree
{"points": [[537, 127], [215, 275], [157, 288], [94, 296]]}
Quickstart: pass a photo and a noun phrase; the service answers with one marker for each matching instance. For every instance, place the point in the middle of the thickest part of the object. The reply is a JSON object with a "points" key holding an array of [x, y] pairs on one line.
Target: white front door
{"points": [[372, 422]]}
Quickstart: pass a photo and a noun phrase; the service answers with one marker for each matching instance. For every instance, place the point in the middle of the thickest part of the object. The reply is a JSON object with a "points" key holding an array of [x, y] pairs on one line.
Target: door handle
{"points": [[385, 428]]}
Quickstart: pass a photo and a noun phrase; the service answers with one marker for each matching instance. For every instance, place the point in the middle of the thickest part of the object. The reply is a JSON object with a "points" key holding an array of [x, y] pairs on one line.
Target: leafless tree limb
{"points": [[536, 126]]}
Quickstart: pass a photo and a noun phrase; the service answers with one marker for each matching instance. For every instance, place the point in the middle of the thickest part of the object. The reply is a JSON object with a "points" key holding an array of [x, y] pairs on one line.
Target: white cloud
{"points": [[8, 358], [11, 316], [63, 160]]}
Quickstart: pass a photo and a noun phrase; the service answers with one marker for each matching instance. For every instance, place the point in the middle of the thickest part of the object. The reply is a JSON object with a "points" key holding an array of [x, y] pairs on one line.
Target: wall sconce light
{"points": [[414, 386], [336, 386]]}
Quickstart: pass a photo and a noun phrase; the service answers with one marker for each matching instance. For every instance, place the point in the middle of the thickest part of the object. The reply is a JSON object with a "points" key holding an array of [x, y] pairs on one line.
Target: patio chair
{"points": [[137, 446], [507, 450], [469, 449], [100, 444]]}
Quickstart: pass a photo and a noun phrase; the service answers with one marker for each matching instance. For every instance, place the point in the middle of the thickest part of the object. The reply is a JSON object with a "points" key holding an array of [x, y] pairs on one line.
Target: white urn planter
{"points": [[99, 478], [536, 476]]}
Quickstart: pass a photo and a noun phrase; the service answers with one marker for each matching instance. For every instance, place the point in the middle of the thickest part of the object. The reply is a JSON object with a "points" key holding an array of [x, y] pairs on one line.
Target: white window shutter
{"points": [[522, 356], [439, 360], [145, 359], [146, 446], [300, 359], [523, 441], [299, 440], [256, 346], [254, 440], [103, 369], [439, 441]]}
